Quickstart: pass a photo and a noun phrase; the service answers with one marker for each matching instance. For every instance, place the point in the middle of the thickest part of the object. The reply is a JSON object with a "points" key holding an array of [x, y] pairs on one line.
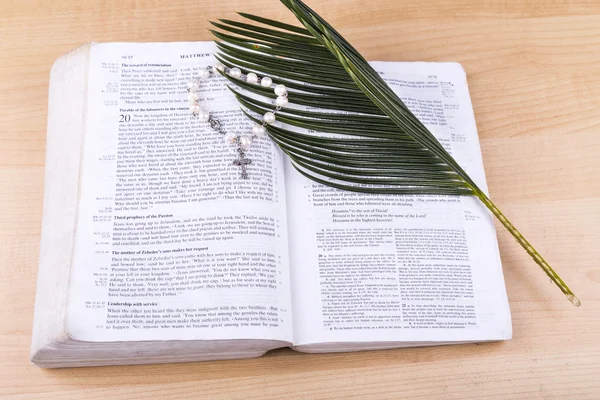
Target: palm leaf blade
{"points": [[369, 141]]}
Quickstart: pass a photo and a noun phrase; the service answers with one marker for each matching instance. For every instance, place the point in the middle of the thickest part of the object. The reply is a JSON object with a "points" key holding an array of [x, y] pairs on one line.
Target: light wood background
{"points": [[534, 74]]}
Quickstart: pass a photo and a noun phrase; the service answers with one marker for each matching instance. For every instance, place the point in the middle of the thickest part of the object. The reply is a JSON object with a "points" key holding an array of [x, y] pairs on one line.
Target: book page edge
{"points": [[65, 133]]}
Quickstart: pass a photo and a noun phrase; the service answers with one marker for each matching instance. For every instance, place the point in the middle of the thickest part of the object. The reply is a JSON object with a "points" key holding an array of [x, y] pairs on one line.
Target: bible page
{"points": [[400, 268], [171, 242]]}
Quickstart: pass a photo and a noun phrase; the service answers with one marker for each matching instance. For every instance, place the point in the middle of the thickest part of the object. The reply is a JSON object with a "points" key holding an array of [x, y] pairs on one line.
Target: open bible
{"points": [[155, 250]]}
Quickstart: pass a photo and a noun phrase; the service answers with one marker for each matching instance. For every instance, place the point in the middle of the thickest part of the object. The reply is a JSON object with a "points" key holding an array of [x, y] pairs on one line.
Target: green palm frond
{"points": [[371, 141]]}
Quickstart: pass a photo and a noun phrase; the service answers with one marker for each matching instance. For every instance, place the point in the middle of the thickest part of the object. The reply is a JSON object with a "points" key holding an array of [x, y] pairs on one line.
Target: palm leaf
{"points": [[373, 143]]}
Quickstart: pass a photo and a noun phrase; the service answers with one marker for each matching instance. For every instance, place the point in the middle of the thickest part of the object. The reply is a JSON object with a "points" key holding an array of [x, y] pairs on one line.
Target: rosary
{"points": [[242, 142]]}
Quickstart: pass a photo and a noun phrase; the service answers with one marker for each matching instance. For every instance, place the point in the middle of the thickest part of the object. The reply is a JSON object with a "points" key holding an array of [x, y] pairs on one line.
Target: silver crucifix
{"points": [[242, 162]]}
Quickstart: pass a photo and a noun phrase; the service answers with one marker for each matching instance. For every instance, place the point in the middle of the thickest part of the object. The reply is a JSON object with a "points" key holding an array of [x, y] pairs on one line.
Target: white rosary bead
{"points": [[203, 115], [192, 86], [219, 66], [251, 77], [266, 81], [259, 131], [269, 118], [192, 97], [280, 90], [281, 101], [245, 141], [195, 108], [230, 138], [203, 74], [235, 73]]}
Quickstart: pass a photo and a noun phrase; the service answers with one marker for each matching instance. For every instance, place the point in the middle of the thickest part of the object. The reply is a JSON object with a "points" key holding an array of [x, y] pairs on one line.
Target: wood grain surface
{"points": [[534, 74]]}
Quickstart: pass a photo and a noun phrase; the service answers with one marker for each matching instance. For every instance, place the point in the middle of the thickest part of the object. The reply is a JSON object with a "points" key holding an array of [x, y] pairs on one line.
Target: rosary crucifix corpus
{"points": [[242, 142]]}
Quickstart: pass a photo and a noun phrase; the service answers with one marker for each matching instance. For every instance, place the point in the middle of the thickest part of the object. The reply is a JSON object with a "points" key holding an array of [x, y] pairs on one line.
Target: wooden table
{"points": [[534, 75]]}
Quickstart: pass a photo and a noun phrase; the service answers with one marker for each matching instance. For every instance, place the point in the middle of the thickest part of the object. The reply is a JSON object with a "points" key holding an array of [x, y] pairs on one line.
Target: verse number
{"points": [[124, 118]]}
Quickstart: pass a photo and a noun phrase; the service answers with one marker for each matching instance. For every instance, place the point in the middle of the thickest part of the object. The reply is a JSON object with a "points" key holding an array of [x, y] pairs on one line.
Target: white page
{"points": [[171, 243], [387, 268]]}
